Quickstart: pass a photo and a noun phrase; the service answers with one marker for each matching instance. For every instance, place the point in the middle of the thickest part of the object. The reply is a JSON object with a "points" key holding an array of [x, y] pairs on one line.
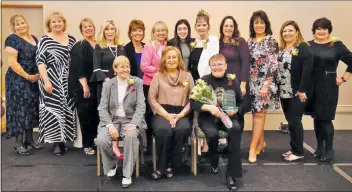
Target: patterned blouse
{"points": [[284, 73]]}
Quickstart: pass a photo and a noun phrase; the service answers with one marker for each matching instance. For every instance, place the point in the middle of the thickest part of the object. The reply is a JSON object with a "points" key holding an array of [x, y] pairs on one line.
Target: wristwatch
{"points": [[343, 79]]}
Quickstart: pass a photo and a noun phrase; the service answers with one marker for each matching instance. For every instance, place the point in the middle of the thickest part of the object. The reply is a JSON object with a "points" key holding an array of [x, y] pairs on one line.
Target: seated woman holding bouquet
{"points": [[169, 100], [218, 99], [121, 113]]}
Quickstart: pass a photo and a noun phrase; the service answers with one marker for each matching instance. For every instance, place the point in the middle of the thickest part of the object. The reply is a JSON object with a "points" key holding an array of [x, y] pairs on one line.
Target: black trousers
{"points": [[210, 126], [293, 109], [148, 115], [88, 117], [169, 141], [324, 132]]}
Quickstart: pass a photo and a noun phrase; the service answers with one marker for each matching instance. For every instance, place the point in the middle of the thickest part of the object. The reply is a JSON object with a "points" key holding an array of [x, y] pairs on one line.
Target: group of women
{"points": [[149, 85]]}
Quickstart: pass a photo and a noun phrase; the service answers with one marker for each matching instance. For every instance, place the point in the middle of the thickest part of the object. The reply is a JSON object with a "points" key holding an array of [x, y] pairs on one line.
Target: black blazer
{"points": [[301, 70], [131, 55]]}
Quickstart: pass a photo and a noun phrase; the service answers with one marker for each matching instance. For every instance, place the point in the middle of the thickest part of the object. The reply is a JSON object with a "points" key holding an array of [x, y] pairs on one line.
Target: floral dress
{"points": [[263, 64]]}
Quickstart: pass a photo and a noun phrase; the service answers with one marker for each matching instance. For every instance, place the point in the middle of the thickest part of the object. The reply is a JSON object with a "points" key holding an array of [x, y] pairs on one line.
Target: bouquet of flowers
{"points": [[203, 93]]}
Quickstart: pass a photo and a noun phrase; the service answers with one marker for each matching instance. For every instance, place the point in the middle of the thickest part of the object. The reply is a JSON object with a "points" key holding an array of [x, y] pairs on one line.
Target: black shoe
{"points": [[57, 150], [215, 169], [328, 156], [63, 147], [169, 173], [33, 145], [157, 175], [21, 150], [318, 153], [231, 183]]}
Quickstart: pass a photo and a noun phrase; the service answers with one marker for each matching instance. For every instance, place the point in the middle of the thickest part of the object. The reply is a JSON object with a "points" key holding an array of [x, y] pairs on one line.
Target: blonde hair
{"points": [[158, 25], [299, 38], [52, 14], [90, 21], [162, 66], [13, 23], [120, 60], [101, 37], [217, 57]]}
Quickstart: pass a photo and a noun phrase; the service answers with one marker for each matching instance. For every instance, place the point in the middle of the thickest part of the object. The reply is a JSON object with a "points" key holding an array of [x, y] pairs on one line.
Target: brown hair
{"points": [[86, 20], [299, 39], [181, 64], [203, 15], [136, 24], [48, 20]]}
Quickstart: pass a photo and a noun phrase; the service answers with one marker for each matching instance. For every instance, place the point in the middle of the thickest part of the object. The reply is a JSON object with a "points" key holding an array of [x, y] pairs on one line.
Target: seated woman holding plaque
{"points": [[221, 112]]}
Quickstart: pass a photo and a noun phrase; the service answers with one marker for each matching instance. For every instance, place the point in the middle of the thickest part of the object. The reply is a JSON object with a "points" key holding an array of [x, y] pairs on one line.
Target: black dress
{"points": [[22, 103], [82, 67], [326, 92]]}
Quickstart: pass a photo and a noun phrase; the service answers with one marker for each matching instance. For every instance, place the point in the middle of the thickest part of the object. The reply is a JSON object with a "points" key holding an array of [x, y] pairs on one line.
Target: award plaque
{"points": [[229, 101]]}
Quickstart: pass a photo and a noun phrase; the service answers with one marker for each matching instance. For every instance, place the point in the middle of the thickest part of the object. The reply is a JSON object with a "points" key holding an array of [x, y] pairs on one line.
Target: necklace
{"points": [[113, 52]]}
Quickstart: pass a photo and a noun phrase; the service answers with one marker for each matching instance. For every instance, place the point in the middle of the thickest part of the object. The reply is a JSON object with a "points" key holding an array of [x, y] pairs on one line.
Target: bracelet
{"points": [[343, 79]]}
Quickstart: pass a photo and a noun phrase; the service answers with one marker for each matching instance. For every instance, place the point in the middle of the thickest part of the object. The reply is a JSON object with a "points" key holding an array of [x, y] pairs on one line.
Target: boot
{"points": [[19, 146], [30, 142]]}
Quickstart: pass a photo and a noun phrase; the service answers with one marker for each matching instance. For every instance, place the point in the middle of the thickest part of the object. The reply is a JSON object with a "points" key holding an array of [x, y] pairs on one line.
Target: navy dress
{"points": [[22, 96]]}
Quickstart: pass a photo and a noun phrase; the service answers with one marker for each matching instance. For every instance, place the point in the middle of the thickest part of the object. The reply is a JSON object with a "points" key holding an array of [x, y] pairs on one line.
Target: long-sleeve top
{"points": [[166, 91], [220, 86], [184, 47], [103, 59], [81, 65], [150, 61], [237, 58]]}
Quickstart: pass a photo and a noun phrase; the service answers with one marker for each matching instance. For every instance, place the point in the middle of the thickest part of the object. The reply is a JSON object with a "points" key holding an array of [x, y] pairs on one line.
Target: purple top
{"points": [[237, 58]]}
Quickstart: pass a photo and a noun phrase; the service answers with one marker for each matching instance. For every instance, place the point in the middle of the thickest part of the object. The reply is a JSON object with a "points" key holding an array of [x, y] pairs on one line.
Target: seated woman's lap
{"points": [[162, 127]]}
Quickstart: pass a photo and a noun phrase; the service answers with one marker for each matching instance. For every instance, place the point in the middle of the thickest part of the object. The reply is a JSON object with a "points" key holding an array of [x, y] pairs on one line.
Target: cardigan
{"points": [[149, 63], [131, 55]]}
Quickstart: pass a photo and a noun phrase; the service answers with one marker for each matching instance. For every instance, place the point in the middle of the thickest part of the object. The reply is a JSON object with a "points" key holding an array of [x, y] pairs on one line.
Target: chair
{"points": [[121, 145], [198, 133]]}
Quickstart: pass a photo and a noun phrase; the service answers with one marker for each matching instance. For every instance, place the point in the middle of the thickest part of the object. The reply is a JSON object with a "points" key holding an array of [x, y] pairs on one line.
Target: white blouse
{"points": [[122, 86]]}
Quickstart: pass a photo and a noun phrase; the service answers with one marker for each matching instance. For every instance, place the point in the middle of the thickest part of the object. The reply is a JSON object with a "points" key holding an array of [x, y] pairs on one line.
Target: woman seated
{"points": [[228, 92], [121, 113], [168, 97]]}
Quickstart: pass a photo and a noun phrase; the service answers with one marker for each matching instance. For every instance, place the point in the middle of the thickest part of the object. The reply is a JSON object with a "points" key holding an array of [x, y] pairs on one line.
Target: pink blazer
{"points": [[149, 63]]}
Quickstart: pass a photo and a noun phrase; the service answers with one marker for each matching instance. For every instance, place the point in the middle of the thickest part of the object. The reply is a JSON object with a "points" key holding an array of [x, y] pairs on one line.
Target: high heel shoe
{"points": [[262, 149], [21, 151], [252, 158], [231, 183], [33, 145]]}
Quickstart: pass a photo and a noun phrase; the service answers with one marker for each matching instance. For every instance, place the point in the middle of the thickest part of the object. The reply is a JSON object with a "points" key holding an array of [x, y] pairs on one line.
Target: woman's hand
{"points": [[171, 119], [302, 96], [113, 133], [86, 91], [214, 111], [48, 87], [264, 92], [106, 79], [130, 127], [33, 78], [339, 81], [231, 113]]}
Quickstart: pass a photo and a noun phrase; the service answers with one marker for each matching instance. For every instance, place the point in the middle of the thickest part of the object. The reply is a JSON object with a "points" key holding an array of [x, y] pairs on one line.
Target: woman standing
{"points": [[134, 48], [327, 54], [105, 52], [150, 64], [57, 119], [81, 70], [204, 47], [21, 85], [236, 51], [263, 66], [182, 39], [168, 98], [295, 83]]}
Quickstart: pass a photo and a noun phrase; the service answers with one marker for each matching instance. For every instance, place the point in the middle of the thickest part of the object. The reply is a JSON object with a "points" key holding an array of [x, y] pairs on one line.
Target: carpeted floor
{"points": [[42, 171]]}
